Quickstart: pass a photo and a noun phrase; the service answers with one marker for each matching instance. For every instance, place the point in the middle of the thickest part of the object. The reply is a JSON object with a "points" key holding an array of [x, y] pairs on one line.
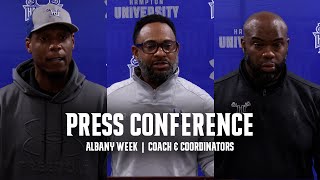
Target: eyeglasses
{"points": [[151, 47]]}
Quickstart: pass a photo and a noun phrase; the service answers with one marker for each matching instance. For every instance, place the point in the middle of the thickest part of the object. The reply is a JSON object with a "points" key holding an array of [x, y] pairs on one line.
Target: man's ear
{"points": [[73, 41], [178, 48], [135, 51], [29, 45], [243, 45]]}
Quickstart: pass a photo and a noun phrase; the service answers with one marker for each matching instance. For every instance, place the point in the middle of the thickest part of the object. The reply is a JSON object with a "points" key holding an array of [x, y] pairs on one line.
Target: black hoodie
{"points": [[286, 127], [33, 141]]}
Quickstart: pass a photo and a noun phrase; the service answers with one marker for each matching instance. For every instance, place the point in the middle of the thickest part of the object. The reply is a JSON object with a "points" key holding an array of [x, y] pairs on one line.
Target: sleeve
{"points": [[316, 154], [1, 145], [316, 142], [108, 154], [102, 165], [206, 158], [103, 154]]}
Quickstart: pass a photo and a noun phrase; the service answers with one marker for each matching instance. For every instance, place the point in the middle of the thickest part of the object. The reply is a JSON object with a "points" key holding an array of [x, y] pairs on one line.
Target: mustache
{"points": [[161, 61], [246, 58]]}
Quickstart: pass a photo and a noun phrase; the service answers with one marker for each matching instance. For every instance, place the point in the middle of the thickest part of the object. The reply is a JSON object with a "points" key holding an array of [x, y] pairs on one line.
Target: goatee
{"points": [[261, 77], [158, 77]]}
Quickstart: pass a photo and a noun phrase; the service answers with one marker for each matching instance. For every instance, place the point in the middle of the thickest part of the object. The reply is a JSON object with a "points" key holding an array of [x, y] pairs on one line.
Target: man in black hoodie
{"points": [[33, 141], [285, 107]]}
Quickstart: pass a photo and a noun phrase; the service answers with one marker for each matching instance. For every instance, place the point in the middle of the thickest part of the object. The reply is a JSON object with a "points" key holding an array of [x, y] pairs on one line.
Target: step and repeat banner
{"points": [[90, 42], [208, 31], [302, 18], [194, 33]]}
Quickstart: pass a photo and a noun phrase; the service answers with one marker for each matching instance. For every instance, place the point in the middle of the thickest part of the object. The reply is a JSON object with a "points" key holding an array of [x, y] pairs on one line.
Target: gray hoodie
{"points": [[33, 141], [175, 95]]}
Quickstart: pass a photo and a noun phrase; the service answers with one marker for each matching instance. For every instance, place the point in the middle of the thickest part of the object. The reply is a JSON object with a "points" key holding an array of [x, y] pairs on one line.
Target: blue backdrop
{"points": [[302, 18], [90, 47]]}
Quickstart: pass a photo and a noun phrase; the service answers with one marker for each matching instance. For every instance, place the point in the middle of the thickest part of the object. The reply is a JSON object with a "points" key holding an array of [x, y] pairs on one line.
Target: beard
{"points": [[158, 77], [59, 75], [261, 77]]}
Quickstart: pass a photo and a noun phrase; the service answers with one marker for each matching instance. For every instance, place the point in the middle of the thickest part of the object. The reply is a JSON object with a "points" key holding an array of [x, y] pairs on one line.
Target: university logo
{"points": [[106, 3], [54, 12], [317, 38], [211, 62], [211, 4], [241, 108], [231, 41], [133, 63], [33, 4], [136, 9], [35, 142]]}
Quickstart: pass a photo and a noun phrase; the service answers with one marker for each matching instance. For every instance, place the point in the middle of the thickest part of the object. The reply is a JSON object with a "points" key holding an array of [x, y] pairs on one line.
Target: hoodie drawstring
{"points": [[45, 133], [61, 130]]}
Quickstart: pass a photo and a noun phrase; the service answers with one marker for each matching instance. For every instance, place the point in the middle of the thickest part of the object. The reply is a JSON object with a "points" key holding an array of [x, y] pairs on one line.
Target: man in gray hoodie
{"points": [[155, 87], [33, 141]]}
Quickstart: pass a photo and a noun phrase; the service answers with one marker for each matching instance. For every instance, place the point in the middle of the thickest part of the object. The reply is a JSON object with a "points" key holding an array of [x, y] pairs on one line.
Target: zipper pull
{"points": [[264, 92], [154, 94]]}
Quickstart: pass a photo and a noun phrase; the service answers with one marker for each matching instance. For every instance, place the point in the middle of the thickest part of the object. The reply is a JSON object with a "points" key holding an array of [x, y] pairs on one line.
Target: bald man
{"points": [[285, 107]]}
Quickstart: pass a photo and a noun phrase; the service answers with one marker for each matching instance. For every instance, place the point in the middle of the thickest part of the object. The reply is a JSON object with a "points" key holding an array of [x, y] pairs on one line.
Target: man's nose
{"points": [[55, 45], [268, 53], [160, 52]]}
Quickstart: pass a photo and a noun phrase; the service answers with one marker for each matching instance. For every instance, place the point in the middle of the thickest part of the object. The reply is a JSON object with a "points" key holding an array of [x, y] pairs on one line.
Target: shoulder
{"points": [[304, 86], [10, 94], [226, 83], [9, 90], [302, 82], [92, 92], [119, 86], [229, 77], [191, 88], [308, 91], [94, 87]]}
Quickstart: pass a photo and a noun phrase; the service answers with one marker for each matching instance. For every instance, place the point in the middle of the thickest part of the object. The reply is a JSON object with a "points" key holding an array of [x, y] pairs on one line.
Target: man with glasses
{"points": [[156, 87]]}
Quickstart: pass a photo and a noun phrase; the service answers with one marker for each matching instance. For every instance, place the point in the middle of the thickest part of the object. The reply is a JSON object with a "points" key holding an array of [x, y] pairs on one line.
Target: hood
{"points": [[70, 91]]}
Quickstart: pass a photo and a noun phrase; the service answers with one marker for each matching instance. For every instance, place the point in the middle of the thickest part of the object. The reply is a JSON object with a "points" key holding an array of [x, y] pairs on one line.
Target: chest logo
{"points": [[241, 108], [317, 38]]}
